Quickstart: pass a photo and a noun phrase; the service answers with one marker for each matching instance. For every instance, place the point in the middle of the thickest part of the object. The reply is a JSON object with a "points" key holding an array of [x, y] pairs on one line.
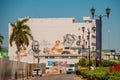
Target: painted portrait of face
{"points": [[68, 40], [35, 46]]}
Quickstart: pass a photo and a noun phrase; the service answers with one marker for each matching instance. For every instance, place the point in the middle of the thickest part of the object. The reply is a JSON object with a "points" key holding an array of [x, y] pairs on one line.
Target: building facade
{"points": [[61, 41]]}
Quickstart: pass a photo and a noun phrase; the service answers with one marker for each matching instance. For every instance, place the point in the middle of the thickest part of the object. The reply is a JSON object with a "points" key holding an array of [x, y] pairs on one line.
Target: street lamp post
{"points": [[83, 46], [36, 50], [89, 46], [100, 18], [88, 38]]}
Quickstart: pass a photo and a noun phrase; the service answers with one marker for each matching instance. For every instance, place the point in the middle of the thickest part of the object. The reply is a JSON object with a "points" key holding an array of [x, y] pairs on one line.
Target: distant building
{"points": [[61, 40]]}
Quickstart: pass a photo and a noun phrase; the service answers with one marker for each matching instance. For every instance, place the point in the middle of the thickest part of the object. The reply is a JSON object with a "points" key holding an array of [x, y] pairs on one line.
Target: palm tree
{"points": [[1, 40], [21, 33]]}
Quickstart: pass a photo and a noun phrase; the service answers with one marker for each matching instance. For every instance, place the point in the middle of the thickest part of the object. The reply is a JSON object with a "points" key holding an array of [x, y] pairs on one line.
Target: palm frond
{"points": [[11, 39], [1, 39], [21, 33], [24, 20], [12, 25], [25, 27]]}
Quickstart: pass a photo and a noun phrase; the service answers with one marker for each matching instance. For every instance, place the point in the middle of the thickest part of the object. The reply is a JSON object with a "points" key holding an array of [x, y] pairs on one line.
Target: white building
{"points": [[56, 34]]}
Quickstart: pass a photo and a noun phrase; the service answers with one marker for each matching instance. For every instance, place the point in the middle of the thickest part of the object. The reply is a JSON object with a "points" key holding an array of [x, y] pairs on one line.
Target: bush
{"points": [[114, 75], [104, 63], [85, 62], [97, 74], [101, 73], [107, 63], [82, 62], [115, 68], [78, 71]]}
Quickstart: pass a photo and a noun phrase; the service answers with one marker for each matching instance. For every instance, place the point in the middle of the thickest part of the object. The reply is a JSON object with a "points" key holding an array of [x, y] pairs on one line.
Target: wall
{"points": [[49, 30]]}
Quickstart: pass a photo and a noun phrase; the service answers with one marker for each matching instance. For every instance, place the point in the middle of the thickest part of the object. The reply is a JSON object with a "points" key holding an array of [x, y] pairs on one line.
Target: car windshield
{"points": [[70, 65], [36, 69]]}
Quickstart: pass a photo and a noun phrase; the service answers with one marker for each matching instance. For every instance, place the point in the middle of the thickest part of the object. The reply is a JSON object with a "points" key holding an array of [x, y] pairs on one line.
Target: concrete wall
{"points": [[8, 69]]}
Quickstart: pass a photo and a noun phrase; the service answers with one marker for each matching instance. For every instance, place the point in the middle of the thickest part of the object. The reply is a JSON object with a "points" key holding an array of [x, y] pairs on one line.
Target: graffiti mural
{"points": [[56, 49], [69, 39], [59, 47], [22, 51], [46, 49], [57, 63], [78, 43]]}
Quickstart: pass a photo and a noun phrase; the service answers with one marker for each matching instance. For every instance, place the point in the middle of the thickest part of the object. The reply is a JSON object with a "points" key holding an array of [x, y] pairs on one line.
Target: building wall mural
{"points": [[60, 47], [69, 39], [56, 36], [56, 49]]}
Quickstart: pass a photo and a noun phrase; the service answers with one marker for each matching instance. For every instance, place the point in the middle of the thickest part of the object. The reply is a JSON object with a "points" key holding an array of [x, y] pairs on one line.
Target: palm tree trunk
{"points": [[18, 61]]}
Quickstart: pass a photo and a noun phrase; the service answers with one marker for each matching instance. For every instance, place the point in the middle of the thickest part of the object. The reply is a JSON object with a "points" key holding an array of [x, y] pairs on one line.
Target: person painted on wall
{"points": [[68, 40], [56, 48]]}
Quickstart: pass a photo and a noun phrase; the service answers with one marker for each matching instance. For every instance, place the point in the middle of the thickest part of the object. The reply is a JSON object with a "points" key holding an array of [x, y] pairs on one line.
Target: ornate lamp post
{"points": [[100, 18]]}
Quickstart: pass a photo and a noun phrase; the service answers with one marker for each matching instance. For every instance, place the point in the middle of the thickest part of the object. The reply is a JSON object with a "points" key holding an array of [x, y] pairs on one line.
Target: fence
{"points": [[13, 70]]}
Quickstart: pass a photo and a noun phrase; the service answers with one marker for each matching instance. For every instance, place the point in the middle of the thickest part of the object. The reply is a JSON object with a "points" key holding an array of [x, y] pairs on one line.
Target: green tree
{"points": [[1, 40], [21, 33]]}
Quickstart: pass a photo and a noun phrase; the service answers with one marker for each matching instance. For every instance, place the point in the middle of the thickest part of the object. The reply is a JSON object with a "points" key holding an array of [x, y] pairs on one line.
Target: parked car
{"points": [[70, 68], [36, 72]]}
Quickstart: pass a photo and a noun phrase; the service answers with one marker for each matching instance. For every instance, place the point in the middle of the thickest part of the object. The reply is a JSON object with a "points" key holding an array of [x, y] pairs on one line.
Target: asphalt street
{"points": [[57, 77]]}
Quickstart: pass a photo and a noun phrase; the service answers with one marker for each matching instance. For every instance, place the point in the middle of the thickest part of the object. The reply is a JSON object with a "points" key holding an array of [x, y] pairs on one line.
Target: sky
{"points": [[11, 10]]}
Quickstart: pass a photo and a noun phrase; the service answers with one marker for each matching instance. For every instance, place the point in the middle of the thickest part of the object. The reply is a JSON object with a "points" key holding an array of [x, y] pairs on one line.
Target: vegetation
{"points": [[20, 34], [97, 74], [114, 75], [107, 70], [1, 40], [115, 68], [104, 63]]}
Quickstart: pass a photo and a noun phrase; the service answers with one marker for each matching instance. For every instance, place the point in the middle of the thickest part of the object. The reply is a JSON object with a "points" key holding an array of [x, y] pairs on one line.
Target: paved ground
{"points": [[57, 77]]}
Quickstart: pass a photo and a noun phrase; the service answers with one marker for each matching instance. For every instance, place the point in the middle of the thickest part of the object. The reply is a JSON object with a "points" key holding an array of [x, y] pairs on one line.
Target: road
{"points": [[57, 77]]}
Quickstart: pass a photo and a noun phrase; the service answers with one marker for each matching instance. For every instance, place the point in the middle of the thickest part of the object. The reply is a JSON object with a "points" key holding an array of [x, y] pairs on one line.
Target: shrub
{"points": [[104, 63], [115, 68], [78, 71], [85, 62], [107, 63], [100, 73], [114, 75], [82, 62], [97, 74]]}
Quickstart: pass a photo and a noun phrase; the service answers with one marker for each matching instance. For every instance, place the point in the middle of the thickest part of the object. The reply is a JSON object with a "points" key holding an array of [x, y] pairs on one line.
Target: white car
{"points": [[70, 68], [36, 72]]}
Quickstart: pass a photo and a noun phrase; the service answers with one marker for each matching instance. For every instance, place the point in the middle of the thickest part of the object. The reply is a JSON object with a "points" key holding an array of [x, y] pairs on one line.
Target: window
{"points": [[64, 57], [70, 65], [93, 36], [52, 57], [93, 44], [46, 57], [73, 57]]}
